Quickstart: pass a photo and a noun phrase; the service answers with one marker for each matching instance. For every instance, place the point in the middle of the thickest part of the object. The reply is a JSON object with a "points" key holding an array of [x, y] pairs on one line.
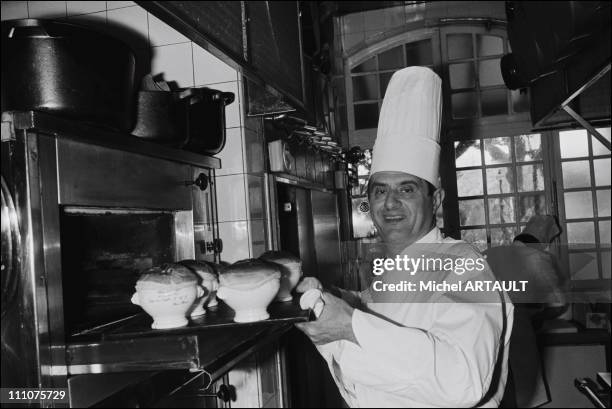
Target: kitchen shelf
{"points": [[86, 133], [212, 343]]}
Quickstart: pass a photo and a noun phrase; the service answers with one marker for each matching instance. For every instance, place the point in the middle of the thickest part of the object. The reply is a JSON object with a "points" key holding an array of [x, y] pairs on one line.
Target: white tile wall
{"points": [[89, 18], [209, 69], [231, 198], [46, 9], [175, 62], [84, 7], [14, 10], [258, 237], [131, 19], [235, 236], [187, 64], [163, 34], [256, 197], [118, 4], [231, 155]]}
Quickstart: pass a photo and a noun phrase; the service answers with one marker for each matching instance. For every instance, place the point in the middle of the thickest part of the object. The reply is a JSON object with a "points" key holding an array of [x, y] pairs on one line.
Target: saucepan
{"points": [[191, 119], [68, 70]]}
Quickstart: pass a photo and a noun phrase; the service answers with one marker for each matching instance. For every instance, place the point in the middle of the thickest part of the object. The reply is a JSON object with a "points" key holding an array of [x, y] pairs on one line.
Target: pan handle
{"points": [[227, 97]]}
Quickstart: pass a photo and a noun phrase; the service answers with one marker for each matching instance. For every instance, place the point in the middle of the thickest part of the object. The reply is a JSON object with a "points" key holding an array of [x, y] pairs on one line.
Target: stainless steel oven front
{"points": [[91, 217]]}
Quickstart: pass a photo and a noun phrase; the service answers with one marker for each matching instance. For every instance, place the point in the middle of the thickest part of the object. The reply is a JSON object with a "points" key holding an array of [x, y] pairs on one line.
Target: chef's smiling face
{"points": [[402, 207]]}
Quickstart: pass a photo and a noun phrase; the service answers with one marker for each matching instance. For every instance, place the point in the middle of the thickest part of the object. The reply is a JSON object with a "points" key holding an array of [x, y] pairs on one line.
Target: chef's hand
{"points": [[308, 283], [334, 323]]}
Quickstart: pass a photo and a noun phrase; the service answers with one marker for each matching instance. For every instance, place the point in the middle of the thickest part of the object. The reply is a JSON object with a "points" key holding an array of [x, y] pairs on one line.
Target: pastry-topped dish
{"points": [[208, 278], [291, 271], [167, 293], [248, 286]]}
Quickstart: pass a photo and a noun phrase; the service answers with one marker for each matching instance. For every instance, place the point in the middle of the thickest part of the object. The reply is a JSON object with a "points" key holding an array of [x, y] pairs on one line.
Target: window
{"points": [[371, 77], [500, 186], [475, 82], [584, 196], [503, 181]]}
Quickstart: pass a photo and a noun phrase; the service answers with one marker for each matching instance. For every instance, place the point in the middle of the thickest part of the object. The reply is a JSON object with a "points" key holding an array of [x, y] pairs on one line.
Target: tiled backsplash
{"points": [[239, 182]]}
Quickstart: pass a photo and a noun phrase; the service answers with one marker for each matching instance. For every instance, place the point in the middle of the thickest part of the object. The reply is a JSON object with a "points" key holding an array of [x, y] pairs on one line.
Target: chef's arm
{"points": [[449, 365], [353, 298]]}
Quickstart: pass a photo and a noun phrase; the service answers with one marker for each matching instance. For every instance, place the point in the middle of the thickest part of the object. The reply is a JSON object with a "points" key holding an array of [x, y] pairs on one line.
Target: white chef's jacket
{"points": [[426, 354]]}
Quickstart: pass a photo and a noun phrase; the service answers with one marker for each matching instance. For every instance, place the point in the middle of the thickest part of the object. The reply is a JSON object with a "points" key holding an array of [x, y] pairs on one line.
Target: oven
{"points": [[93, 209]]}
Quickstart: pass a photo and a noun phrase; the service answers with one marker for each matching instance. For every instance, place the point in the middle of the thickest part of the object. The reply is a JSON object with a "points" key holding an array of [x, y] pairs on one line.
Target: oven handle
{"points": [[201, 181]]}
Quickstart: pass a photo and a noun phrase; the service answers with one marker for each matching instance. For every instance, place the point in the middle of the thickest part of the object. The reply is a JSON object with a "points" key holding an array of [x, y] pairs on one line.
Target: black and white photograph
{"points": [[306, 204]]}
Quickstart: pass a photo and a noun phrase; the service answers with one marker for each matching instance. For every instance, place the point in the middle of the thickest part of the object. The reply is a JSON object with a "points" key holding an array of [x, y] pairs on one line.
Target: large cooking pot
{"points": [[192, 119], [67, 70]]}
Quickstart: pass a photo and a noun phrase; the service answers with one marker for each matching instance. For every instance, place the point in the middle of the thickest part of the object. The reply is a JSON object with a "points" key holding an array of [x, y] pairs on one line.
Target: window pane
{"points": [[573, 143], [489, 45], [531, 205], [469, 183], [471, 212], [605, 264], [530, 177], [384, 82], [598, 148], [502, 236], [578, 204], [419, 53], [391, 59], [365, 87], [366, 116], [467, 153], [500, 180], [489, 73], [583, 266], [462, 75], [604, 233], [464, 105], [601, 167], [366, 66], [459, 46], [603, 203], [528, 147], [520, 100], [581, 233], [477, 237], [501, 210], [497, 150], [576, 174], [494, 102]]}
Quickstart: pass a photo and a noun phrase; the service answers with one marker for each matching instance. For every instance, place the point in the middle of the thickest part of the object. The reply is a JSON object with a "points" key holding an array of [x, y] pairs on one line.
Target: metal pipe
{"points": [[587, 126]]}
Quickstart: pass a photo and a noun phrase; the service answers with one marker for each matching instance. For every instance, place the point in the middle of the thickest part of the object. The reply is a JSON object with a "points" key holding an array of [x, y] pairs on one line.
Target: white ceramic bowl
{"points": [[167, 305], [208, 279], [291, 274], [212, 286], [250, 304], [197, 308], [290, 268]]}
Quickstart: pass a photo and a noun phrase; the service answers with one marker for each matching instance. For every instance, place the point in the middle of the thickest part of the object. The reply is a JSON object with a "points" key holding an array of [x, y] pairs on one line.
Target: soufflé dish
{"points": [[291, 271], [248, 287], [167, 292], [209, 280]]}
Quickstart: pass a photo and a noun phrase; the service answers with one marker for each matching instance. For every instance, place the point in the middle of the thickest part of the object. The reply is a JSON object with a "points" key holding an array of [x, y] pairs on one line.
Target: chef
{"points": [[434, 350]]}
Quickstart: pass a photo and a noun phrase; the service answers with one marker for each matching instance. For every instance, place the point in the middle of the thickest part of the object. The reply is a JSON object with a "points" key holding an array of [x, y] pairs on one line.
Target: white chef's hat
{"points": [[409, 125]]}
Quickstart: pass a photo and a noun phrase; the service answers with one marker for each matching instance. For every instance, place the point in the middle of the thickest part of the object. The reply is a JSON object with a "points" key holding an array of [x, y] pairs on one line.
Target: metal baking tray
{"points": [[208, 343]]}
